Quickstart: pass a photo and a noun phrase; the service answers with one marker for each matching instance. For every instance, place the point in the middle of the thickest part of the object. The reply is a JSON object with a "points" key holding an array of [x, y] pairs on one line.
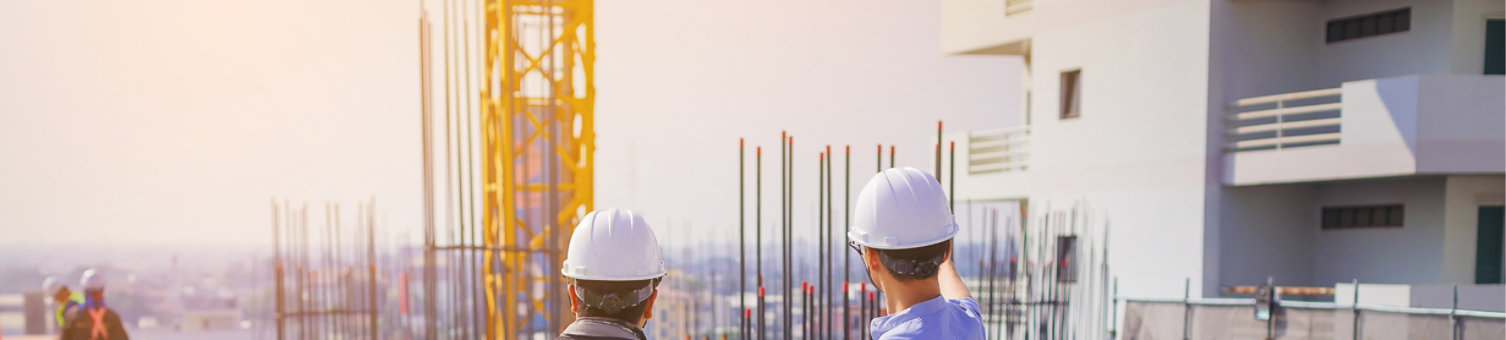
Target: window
{"points": [[1066, 259], [1495, 47], [1488, 245], [1071, 104], [1355, 27], [1370, 216]]}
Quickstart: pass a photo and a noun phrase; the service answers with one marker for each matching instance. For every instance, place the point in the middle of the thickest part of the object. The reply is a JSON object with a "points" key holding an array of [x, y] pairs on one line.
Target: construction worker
{"points": [[66, 299], [95, 321], [902, 229], [613, 262]]}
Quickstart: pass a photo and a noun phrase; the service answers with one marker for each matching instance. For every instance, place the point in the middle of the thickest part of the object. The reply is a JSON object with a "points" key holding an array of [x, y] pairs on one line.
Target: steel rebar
{"points": [[742, 234], [758, 234], [846, 255]]}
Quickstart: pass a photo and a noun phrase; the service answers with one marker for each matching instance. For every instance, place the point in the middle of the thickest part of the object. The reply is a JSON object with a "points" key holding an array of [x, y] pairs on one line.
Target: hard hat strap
{"points": [[613, 302], [922, 268]]}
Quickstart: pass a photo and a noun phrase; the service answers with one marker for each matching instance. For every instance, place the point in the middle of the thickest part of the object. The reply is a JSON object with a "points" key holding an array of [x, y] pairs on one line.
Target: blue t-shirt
{"points": [[938, 318]]}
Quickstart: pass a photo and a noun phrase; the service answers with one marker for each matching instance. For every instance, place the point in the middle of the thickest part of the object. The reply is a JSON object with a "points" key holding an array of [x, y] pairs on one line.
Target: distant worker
{"points": [[902, 229], [95, 321], [613, 261], [66, 299]]}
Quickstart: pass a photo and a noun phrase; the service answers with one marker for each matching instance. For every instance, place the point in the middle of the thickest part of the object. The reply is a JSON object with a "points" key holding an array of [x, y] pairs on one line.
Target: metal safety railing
{"points": [[1286, 120], [1012, 7], [999, 150], [1190, 318]]}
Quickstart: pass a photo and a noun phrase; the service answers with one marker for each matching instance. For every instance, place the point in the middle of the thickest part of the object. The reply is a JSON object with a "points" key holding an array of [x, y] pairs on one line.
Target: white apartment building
{"points": [[1227, 141]]}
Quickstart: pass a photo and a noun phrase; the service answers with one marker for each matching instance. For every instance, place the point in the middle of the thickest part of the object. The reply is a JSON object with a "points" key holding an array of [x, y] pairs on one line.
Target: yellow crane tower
{"points": [[537, 128], [537, 132]]}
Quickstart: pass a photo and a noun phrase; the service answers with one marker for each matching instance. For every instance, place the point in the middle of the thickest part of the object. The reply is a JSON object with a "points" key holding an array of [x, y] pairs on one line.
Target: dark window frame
{"points": [[1070, 103], [1066, 259], [1368, 216], [1368, 25]]}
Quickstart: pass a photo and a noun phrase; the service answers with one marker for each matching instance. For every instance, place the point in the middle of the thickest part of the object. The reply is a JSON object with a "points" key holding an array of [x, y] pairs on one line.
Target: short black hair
{"points": [[915, 263], [631, 314]]}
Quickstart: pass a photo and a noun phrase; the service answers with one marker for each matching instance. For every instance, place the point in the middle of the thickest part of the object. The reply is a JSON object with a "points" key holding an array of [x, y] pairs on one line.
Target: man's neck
{"points": [[906, 294]]}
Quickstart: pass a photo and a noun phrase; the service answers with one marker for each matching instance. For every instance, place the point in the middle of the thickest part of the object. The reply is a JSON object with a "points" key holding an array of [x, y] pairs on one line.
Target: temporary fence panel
{"points": [[1304, 323], [1224, 322], [1482, 328], [1147, 320], [1165, 319]]}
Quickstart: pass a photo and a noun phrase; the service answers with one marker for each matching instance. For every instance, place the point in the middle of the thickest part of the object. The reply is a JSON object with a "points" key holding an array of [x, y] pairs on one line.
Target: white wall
{"points": [[972, 25], [1463, 197], [1137, 154], [1275, 231], [1413, 124], [1412, 254], [1424, 49], [980, 26], [1471, 297], [1265, 47], [1270, 47], [1268, 231], [1467, 49], [1461, 124]]}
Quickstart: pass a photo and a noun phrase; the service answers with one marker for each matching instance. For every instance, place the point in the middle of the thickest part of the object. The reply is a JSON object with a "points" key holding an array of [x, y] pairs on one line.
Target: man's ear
{"points": [[871, 259], [574, 300], [648, 308]]}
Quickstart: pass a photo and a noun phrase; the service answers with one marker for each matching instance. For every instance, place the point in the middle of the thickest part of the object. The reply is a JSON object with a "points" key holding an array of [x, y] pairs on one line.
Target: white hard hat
{"points": [[902, 208], [92, 280], [51, 285], [613, 245]]}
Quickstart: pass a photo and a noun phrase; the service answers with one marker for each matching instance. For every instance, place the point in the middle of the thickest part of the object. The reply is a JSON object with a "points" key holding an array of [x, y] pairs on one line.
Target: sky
{"points": [[179, 122]]}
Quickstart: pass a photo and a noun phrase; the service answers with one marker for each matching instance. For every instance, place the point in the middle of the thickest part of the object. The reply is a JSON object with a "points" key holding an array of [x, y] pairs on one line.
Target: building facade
{"points": [[1232, 141]]}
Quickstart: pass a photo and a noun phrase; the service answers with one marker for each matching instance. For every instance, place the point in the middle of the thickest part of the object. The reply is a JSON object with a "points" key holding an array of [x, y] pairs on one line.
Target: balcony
{"points": [[994, 163], [1398, 126], [1016, 7], [998, 27]]}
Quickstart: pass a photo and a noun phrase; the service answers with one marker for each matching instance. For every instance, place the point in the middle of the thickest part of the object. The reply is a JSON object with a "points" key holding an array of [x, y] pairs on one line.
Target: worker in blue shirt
{"points": [[902, 229]]}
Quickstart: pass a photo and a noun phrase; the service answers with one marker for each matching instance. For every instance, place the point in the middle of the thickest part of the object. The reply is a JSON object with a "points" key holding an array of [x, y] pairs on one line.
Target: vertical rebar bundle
{"points": [[334, 294]]}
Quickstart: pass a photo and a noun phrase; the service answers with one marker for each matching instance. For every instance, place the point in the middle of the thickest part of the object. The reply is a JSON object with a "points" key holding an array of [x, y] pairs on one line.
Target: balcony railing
{"points": [[1001, 150], [1287, 120], [1012, 7]]}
